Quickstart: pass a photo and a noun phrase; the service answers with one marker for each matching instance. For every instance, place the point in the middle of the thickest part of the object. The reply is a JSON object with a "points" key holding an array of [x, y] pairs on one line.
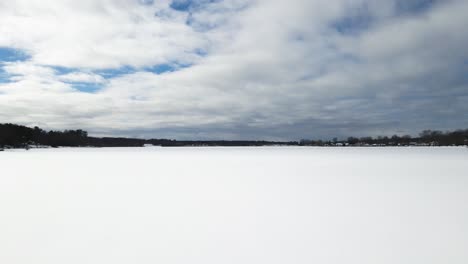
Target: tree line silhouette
{"points": [[425, 138], [18, 136]]}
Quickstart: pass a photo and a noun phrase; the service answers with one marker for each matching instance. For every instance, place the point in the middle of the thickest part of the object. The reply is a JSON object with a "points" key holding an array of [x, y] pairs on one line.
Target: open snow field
{"points": [[234, 205]]}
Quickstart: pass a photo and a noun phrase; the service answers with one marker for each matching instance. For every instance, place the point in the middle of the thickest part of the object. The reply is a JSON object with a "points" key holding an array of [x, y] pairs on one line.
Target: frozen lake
{"points": [[234, 205]]}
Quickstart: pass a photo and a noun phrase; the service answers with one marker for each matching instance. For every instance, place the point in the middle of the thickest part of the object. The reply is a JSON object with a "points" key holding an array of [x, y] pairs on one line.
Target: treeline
{"points": [[425, 138], [21, 136], [213, 143], [17, 136]]}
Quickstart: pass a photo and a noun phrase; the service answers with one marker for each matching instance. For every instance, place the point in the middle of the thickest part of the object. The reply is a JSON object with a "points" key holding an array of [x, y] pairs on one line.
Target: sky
{"points": [[235, 69]]}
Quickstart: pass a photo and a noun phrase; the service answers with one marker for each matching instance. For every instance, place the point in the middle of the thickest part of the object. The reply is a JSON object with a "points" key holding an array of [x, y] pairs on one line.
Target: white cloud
{"points": [[276, 69], [97, 34], [82, 77]]}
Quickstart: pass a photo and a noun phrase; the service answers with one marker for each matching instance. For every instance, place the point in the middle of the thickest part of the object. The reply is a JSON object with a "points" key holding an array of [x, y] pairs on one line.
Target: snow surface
{"points": [[234, 205]]}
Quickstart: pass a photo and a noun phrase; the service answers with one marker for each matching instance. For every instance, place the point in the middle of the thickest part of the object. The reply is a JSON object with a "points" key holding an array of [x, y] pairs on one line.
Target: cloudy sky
{"points": [[235, 69]]}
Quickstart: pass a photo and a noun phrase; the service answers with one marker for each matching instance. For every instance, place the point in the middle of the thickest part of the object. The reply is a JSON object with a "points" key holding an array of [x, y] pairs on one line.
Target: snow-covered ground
{"points": [[234, 205]]}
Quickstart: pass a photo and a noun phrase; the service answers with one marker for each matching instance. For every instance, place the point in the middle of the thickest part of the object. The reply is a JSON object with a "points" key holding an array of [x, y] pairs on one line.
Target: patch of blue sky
{"points": [[352, 25], [117, 72], [190, 5], [165, 68], [10, 55], [414, 6], [161, 68], [361, 21], [4, 77], [201, 52], [86, 87], [63, 70], [181, 5], [157, 69]]}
